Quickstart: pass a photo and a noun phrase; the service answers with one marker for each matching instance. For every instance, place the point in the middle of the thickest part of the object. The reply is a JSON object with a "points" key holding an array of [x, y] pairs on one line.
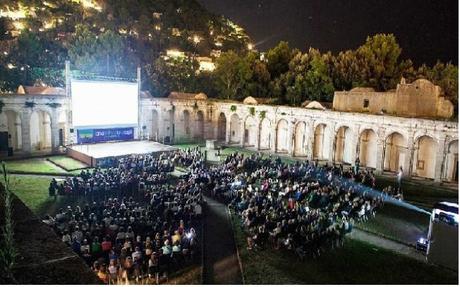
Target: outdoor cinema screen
{"points": [[102, 104]]}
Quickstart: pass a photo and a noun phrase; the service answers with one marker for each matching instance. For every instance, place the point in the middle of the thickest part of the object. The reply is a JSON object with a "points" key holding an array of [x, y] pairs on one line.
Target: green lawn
{"points": [[33, 191], [423, 193], [398, 223], [67, 162], [356, 263], [39, 165]]}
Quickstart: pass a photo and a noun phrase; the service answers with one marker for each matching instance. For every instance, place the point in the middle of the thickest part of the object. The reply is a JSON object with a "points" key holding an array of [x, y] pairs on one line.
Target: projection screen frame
{"points": [[106, 123]]}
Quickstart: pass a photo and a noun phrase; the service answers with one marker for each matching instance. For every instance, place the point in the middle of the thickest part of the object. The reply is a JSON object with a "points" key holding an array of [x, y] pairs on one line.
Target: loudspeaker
{"points": [[71, 131], [10, 151], [3, 141]]}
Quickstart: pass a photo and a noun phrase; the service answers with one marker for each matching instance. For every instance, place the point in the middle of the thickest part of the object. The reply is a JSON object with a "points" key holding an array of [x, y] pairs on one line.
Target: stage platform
{"points": [[94, 154]]}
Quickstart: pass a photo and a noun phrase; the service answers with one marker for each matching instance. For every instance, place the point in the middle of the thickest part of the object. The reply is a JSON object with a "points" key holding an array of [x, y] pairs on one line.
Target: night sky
{"points": [[426, 30]]}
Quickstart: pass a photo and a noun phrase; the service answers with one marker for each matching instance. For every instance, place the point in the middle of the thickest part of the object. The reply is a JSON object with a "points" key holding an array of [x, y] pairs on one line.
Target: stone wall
{"points": [[34, 121], [421, 99], [422, 147]]}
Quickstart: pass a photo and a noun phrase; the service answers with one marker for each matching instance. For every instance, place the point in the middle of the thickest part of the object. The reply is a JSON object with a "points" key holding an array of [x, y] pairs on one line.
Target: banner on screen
{"points": [[104, 135]]}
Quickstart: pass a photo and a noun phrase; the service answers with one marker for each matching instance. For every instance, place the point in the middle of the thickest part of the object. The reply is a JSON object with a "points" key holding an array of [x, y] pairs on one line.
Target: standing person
{"points": [[52, 190], [399, 178]]}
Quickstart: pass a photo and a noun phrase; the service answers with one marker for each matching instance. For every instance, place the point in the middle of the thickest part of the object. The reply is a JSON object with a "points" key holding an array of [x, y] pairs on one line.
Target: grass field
{"points": [[33, 191], [67, 162], [423, 193], [398, 223], [41, 165], [356, 263], [36, 165]]}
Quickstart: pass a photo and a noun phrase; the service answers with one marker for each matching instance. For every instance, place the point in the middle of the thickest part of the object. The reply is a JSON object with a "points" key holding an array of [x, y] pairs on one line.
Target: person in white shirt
{"points": [[399, 177]]}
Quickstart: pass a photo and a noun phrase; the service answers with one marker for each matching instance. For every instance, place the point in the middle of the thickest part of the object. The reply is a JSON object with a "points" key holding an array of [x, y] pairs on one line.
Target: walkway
{"points": [[220, 264], [386, 244]]}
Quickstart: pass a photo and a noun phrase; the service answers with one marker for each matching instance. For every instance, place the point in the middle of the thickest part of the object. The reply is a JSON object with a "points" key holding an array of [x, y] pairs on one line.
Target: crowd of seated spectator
{"points": [[141, 226], [138, 228], [301, 207]]}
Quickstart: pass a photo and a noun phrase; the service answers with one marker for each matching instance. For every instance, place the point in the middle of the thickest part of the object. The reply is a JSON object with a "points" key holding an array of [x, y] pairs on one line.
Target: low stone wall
{"points": [[42, 257]]}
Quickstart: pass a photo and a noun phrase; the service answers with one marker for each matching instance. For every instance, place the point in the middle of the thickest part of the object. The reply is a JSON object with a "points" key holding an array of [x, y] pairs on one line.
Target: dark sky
{"points": [[426, 30]]}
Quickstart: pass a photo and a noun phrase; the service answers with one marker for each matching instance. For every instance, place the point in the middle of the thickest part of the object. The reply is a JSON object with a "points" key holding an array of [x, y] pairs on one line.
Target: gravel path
{"points": [[387, 244], [221, 265]]}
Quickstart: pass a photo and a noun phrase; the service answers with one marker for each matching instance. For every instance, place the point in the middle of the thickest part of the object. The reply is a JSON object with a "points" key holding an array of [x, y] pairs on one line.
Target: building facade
{"points": [[422, 147]]}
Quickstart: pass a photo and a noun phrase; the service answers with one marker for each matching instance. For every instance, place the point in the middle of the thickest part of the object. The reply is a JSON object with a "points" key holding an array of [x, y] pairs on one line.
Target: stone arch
{"points": [[451, 163], [300, 139], [319, 143], [12, 124], [40, 130], [186, 119], [424, 157], [395, 151], [155, 126], [265, 135], [368, 148], [343, 145], [250, 131], [221, 127], [199, 125], [282, 136], [235, 127]]}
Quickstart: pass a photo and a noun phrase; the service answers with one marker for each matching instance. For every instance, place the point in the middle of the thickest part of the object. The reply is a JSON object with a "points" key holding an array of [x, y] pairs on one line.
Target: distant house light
{"points": [[173, 53], [206, 64]]}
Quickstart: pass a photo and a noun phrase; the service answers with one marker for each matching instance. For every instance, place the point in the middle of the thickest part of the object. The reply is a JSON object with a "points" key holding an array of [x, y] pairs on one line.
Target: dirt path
{"points": [[221, 265], [387, 244]]}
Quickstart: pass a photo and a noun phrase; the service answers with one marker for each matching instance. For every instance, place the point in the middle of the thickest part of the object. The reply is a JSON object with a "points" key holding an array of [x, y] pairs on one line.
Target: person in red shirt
{"points": [[106, 246]]}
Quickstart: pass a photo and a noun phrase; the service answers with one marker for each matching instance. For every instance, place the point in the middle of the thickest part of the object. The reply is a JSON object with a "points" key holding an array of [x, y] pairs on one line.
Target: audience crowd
{"points": [[300, 207], [140, 225], [137, 227]]}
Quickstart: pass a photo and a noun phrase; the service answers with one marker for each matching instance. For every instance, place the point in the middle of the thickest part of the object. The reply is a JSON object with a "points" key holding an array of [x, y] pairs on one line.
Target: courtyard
{"points": [[381, 250]]}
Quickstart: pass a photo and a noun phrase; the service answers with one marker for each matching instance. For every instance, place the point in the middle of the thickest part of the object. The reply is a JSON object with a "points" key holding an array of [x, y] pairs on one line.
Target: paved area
{"points": [[387, 244], [221, 264]]}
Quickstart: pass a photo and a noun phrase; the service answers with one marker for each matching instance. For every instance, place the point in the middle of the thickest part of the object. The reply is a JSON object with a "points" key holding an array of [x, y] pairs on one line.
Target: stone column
{"points": [[441, 153], [354, 144], [291, 145], [257, 135], [409, 157], [380, 157], [310, 140], [25, 130], [242, 133], [273, 138], [332, 142], [228, 132], [54, 130]]}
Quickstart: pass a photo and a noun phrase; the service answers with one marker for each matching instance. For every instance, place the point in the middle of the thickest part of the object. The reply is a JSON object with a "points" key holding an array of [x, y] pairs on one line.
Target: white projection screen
{"points": [[101, 104]]}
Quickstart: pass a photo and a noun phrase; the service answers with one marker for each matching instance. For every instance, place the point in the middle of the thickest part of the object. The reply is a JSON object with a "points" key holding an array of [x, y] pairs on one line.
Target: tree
{"points": [[345, 71], [308, 78], [105, 54], [258, 84], [379, 62], [278, 59], [445, 76], [232, 74]]}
